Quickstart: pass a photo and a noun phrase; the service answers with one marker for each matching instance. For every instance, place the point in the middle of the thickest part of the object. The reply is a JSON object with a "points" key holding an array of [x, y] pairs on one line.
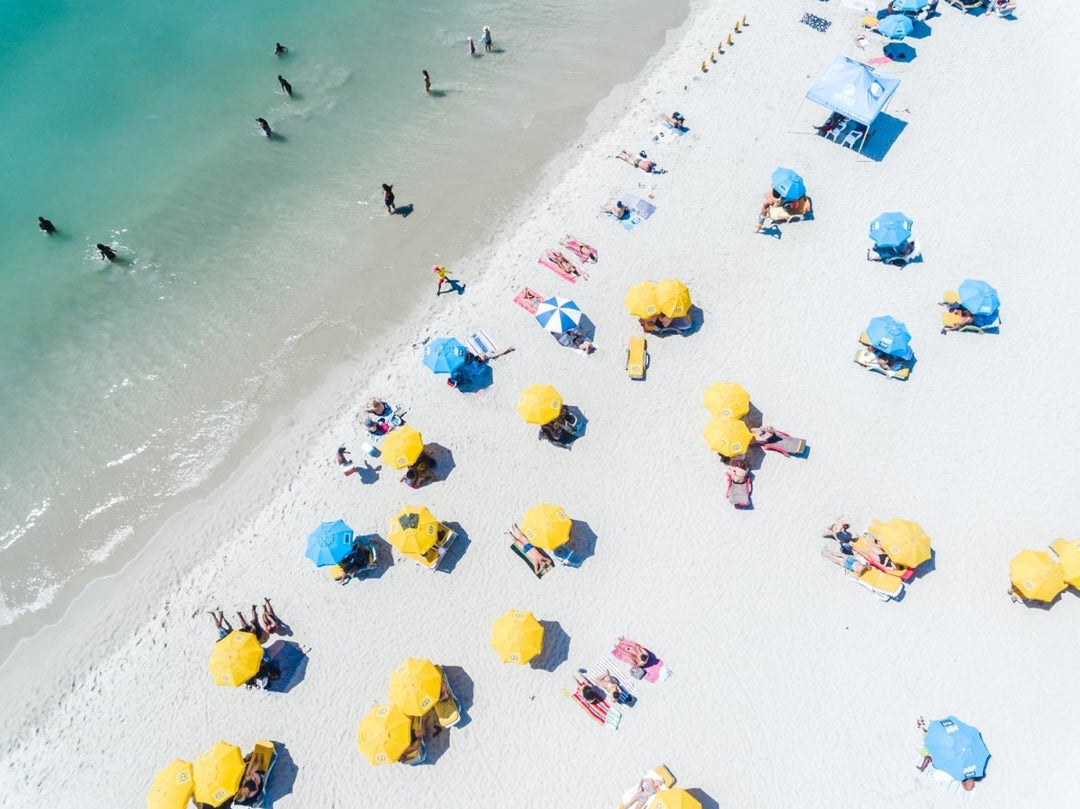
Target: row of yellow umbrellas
{"points": [[728, 402], [1037, 576], [386, 731], [669, 297], [212, 780]]}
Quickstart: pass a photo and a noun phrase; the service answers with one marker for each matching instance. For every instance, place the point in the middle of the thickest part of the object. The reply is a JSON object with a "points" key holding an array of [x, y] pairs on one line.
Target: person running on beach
{"points": [[485, 39], [45, 225], [443, 273], [285, 85], [222, 624], [280, 50], [427, 81], [265, 127], [388, 197], [107, 253]]}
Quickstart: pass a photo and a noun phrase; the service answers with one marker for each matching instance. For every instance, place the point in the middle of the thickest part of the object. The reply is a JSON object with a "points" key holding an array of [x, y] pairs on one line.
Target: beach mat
{"points": [[815, 22], [528, 299], [640, 210]]}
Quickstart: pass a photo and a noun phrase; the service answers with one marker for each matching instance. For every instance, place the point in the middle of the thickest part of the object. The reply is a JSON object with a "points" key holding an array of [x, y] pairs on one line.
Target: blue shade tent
{"points": [[956, 748], [444, 355], [896, 26], [329, 543], [889, 335], [789, 184], [853, 89], [558, 315], [909, 6], [890, 230], [978, 297]]}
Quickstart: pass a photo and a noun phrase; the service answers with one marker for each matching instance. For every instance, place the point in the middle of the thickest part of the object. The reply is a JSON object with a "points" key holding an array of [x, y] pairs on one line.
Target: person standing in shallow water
{"points": [[472, 46], [427, 81], [485, 39], [45, 225], [280, 50], [285, 85], [107, 253], [265, 127], [388, 197]]}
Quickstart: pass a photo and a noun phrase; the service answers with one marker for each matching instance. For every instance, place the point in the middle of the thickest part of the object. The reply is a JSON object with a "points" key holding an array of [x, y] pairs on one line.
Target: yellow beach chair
{"points": [[868, 360], [447, 711], [660, 773], [261, 761], [881, 583], [434, 555], [637, 358]]}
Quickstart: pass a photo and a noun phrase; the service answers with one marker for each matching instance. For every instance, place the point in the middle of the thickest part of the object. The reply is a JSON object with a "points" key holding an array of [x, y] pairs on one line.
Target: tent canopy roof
{"points": [[853, 89]]}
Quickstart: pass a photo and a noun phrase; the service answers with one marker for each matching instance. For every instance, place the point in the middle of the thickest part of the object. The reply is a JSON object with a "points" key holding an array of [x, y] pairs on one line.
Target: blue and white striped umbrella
{"points": [[558, 315]]}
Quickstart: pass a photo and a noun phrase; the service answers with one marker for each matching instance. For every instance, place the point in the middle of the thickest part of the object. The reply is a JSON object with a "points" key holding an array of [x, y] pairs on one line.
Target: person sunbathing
{"points": [[638, 161], [614, 688], [676, 120], [656, 322], [839, 531], [737, 470], [589, 693], [873, 551], [252, 783], [772, 199], [632, 652], [575, 338], [583, 251], [834, 552], [420, 472], [764, 434], [646, 789], [269, 619], [540, 563], [957, 318], [378, 413], [253, 627], [618, 210], [565, 264]]}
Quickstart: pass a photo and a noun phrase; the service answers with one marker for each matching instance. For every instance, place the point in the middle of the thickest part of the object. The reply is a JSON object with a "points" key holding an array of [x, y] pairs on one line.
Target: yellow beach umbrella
{"points": [[172, 787], [1068, 554], [727, 436], [674, 799], [517, 636], [904, 542], [415, 686], [539, 404], [673, 297], [414, 530], [546, 526], [402, 447], [217, 773], [641, 300], [727, 400], [235, 659], [384, 734], [1036, 575]]}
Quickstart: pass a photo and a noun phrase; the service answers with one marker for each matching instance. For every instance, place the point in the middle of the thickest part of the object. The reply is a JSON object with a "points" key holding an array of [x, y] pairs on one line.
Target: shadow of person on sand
{"points": [[403, 210]]}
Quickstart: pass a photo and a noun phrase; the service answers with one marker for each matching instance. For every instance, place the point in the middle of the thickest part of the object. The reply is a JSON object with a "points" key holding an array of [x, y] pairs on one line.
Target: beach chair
{"points": [[521, 555], [738, 494], [895, 259], [433, 556], [881, 584], [792, 212], [900, 369], [261, 761], [418, 756], [677, 326], [338, 572], [855, 135], [982, 324], [565, 556], [786, 445], [448, 710], [868, 550], [637, 358], [660, 773]]}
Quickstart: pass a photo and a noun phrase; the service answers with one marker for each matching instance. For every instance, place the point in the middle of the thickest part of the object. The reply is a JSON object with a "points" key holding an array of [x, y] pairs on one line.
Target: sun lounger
{"points": [[528, 300], [261, 761], [739, 493], [521, 554], [881, 584], [603, 712], [660, 773], [895, 259], [637, 358], [434, 555], [555, 268], [900, 369], [792, 212], [420, 755], [338, 572], [447, 711], [869, 551], [786, 445]]}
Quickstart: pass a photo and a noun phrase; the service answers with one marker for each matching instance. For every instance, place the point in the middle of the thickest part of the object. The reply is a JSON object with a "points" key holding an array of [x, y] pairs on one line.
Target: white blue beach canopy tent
{"points": [[854, 90]]}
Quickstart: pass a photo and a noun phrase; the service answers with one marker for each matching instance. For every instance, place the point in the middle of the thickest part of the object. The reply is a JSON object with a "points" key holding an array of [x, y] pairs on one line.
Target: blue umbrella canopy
{"points": [[956, 748], [329, 543], [890, 230], [789, 184], [889, 335], [896, 26], [444, 355], [558, 315], [978, 297], [909, 6]]}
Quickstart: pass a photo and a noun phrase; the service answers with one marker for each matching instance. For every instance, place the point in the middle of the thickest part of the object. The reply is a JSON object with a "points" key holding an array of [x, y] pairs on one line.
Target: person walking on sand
{"points": [[265, 127], [485, 39], [443, 273], [107, 253], [285, 85], [45, 225], [427, 81], [388, 197]]}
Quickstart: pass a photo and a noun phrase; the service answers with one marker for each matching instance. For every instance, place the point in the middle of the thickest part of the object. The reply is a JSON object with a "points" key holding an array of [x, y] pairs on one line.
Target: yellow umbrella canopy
{"points": [[539, 404], [402, 447], [546, 526], [384, 734], [727, 400], [674, 799], [904, 542], [1068, 554], [415, 686], [673, 297], [641, 300], [414, 530], [217, 773], [727, 436], [517, 636], [172, 787], [1036, 575], [235, 659]]}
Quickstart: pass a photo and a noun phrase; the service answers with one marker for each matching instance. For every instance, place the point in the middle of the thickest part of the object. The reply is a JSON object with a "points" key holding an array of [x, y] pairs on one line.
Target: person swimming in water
{"points": [[285, 85], [45, 225], [280, 50], [262, 122], [107, 253]]}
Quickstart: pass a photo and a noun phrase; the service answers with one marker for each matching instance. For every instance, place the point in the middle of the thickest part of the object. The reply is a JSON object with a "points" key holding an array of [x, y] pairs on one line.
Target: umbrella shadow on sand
{"points": [[384, 557], [556, 649], [440, 738], [884, 133], [455, 551], [706, 801], [582, 541], [444, 461], [291, 662], [281, 780]]}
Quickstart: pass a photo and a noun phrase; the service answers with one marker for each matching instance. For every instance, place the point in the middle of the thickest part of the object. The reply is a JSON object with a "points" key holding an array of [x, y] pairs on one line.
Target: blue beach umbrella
{"points": [[558, 315], [329, 543], [956, 748], [789, 184], [444, 355], [909, 6], [896, 26], [890, 230], [891, 336], [978, 297]]}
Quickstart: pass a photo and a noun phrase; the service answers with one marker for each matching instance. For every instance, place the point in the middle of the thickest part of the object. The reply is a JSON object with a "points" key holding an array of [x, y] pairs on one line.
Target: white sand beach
{"points": [[791, 686]]}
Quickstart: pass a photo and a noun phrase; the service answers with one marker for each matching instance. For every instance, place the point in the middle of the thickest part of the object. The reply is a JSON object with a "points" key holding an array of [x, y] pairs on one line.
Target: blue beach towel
{"points": [[815, 22], [640, 210]]}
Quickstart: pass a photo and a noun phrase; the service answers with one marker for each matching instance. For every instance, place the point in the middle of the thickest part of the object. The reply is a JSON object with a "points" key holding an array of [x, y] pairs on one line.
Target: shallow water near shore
{"points": [[245, 264]]}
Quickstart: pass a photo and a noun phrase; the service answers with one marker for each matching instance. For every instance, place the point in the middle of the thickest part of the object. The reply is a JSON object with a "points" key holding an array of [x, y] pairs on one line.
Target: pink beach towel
{"points": [[878, 60], [528, 299], [551, 265], [625, 651]]}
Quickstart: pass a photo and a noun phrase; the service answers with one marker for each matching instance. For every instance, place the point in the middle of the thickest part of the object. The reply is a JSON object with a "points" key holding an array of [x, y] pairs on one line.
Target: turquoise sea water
{"points": [[131, 122]]}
